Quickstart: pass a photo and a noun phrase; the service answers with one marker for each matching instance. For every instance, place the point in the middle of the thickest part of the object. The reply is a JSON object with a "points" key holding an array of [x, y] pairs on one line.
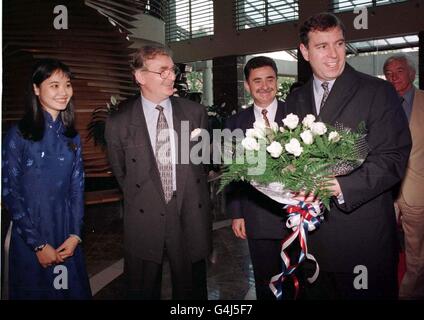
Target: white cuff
{"points": [[340, 198]]}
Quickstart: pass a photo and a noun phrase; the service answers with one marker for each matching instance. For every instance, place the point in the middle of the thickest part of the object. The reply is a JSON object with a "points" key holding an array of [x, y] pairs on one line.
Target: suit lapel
{"points": [[181, 169], [344, 88], [141, 138], [280, 113], [250, 119], [306, 102]]}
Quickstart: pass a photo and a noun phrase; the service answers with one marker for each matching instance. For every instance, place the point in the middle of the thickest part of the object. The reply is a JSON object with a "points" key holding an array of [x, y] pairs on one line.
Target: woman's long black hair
{"points": [[32, 124]]}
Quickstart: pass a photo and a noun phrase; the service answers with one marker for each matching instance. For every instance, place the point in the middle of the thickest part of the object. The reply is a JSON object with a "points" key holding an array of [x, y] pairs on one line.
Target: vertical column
{"points": [[207, 98], [228, 81], [241, 94]]}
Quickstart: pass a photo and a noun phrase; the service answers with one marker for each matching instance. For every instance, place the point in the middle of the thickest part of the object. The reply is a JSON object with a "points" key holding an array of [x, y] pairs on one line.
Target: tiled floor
{"points": [[230, 274]]}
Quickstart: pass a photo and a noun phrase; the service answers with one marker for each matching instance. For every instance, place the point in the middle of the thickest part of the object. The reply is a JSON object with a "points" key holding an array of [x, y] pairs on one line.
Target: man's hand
{"points": [[67, 248], [333, 187], [239, 228], [302, 196], [48, 256]]}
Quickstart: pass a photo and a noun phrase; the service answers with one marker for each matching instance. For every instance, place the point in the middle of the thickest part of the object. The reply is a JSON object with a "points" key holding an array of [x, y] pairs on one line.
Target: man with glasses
{"points": [[167, 212]]}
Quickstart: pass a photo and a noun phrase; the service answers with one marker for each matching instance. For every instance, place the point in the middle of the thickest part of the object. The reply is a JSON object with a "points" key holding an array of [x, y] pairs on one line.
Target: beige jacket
{"points": [[412, 190]]}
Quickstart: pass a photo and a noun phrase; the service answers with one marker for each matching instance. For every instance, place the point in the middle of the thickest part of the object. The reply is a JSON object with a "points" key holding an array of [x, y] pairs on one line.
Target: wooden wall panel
{"points": [[97, 53]]}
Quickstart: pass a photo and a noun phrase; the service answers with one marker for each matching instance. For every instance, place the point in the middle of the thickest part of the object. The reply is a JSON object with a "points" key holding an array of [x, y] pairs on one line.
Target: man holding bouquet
{"points": [[356, 246], [255, 217]]}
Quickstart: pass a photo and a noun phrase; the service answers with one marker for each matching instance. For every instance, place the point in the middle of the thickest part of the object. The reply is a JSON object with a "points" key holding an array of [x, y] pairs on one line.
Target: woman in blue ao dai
{"points": [[43, 188]]}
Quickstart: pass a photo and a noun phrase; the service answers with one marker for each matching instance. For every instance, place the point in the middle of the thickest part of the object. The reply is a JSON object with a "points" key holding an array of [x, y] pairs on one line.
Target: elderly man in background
{"points": [[400, 71]]}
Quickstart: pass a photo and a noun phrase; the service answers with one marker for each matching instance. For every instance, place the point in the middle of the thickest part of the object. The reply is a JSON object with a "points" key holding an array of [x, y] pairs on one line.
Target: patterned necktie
{"points": [[264, 112], [324, 85], [163, 154]]}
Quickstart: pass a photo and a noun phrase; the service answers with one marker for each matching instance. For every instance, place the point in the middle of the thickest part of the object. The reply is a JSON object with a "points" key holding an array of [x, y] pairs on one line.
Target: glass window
{"points": [[188, 19], [256, 13], [349, 5]]}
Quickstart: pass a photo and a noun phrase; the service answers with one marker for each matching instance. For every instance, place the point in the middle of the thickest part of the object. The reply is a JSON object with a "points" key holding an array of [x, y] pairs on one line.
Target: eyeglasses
{"points": [[165, 73]]}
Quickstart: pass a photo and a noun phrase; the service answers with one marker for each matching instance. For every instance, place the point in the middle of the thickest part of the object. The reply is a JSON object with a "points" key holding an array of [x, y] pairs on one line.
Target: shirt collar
{"points": [[49, 119], [409, 95], [166, 104], [271, 108], [318, 82]]}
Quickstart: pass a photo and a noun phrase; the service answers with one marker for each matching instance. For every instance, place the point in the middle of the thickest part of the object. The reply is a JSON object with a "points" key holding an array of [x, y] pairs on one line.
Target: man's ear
{"points": [[139, 77], [305, 51], [246, 86], [36, 90]]}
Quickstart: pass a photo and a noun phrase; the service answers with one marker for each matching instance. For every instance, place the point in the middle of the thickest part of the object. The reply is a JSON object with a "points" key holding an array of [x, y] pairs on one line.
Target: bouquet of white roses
{"points": [[300, 156], [292, 158]]}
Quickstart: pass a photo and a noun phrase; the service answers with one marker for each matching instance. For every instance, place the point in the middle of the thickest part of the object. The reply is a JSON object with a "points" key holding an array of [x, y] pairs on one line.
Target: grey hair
{"points": [[400, 57], [148, 52]]}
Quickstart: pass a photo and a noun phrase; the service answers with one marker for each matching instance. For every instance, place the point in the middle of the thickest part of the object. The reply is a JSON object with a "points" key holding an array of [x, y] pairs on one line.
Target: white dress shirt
{"points": [[272, 111], [319, 91]]}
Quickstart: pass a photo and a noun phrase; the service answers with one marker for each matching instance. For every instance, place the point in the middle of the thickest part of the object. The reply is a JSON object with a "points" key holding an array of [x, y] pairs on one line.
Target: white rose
{"points": [[318, 128], [294, 147], [308, 120], [334, 137], [251, 133], [259, 125], [274, 126], [275, 149], [195, 133], [307, 137], [260, 129], [250, 144], [291, 121]]}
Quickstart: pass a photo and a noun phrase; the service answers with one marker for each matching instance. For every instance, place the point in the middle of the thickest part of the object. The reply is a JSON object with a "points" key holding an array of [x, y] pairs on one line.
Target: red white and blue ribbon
{"points": [[302, 218]]}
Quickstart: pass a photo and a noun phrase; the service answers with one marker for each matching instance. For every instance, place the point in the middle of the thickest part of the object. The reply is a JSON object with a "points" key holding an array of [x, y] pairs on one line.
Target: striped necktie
{"points": [[324, 85], [264, 112]]}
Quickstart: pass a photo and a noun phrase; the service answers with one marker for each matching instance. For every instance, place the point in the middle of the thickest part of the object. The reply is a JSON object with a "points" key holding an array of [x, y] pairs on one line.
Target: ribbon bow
{"points": [[302, 218]]}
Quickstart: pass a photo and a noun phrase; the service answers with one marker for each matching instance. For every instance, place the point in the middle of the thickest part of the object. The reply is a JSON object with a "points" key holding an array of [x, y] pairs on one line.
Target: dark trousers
{"points": [[381, 285], [266, 262], [188, 279]]}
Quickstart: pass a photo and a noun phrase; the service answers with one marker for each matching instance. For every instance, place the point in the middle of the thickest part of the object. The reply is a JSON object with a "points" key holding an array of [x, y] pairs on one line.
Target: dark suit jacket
{"points": [[362, 231], [264, 217], [134, 166]]}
